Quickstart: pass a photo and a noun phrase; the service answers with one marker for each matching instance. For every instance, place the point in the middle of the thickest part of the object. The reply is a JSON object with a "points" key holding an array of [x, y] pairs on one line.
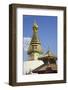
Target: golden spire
{"points": [[35, 45]]}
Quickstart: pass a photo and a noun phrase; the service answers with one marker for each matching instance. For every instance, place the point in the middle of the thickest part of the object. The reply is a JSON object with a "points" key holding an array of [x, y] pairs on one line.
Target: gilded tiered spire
{"points": [[35, 45], [35, 39]]}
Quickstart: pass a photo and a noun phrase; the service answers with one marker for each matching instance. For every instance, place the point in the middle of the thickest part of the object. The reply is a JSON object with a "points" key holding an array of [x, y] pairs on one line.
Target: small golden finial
{"points": [[35, 26], [48, 50]]}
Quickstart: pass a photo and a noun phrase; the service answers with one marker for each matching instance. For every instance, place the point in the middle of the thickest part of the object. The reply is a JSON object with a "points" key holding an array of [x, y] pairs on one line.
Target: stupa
{"points": [[34, 52]]}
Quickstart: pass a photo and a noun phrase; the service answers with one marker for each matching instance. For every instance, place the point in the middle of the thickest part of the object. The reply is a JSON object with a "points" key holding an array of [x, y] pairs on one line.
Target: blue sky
{"points": [[47, 31]]}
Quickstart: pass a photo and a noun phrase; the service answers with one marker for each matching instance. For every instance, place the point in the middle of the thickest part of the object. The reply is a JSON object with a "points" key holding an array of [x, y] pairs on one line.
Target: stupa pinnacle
{"points": [[34, 49]]}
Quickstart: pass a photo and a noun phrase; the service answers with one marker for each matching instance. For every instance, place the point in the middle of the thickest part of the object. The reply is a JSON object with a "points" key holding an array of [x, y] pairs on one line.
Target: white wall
{"points": [[4, 37]]}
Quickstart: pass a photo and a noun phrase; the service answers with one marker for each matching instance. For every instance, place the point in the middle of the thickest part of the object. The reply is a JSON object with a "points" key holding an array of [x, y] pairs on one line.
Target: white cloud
{"points": [[26, 43]]}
